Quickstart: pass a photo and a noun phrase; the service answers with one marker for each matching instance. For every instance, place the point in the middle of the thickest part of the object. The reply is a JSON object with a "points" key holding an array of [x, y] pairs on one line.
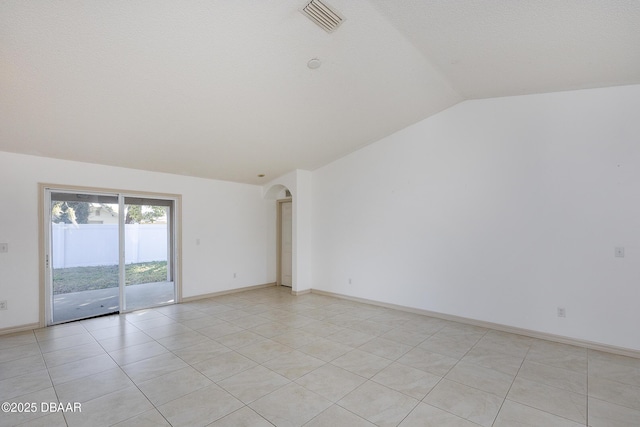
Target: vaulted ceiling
{"points": [[221, 88]]}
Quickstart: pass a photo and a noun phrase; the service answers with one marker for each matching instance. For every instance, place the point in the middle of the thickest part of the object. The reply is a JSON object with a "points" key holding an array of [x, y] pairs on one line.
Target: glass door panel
{"points": [[148, 249], [84, 255]]}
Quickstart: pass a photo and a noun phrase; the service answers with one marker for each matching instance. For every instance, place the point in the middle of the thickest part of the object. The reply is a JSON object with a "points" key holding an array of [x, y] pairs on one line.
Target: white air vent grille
{"points": [[326, 17]]}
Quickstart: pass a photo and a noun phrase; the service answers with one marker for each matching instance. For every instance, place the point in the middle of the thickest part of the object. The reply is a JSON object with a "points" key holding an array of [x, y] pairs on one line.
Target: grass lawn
{"points": [[76, 279]]}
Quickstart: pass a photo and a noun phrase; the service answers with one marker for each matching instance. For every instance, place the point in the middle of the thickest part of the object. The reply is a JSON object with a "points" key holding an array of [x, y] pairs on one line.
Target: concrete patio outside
{"points": [[80, 305]]}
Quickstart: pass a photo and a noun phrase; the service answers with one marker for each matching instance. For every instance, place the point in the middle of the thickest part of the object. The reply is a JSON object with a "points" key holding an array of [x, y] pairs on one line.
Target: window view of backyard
{"points": [[76, 279], [85, 245]]}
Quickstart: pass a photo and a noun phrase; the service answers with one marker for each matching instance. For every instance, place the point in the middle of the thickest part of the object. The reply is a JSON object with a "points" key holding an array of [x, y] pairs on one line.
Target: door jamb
{"points": [[279, 240]]}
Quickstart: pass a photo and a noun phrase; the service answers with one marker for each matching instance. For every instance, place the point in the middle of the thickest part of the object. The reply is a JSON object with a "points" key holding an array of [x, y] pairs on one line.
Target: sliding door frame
{"points": [[44, 236]]}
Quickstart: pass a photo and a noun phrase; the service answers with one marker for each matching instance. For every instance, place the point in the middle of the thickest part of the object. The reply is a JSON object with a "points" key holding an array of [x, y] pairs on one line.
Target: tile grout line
{"points": [[127, 375], [245, 405], [450, 369], [49, 375], [512, 382], [249, 305], [441, 377], [587, 410]]}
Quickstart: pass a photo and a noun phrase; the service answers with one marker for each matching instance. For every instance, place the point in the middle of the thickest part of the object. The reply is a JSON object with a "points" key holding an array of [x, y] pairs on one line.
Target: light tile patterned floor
{"points": [[264, 357]]}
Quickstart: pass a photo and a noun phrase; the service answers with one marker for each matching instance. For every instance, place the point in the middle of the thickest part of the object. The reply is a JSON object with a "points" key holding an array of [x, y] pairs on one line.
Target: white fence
{"points": [[87, 245]]}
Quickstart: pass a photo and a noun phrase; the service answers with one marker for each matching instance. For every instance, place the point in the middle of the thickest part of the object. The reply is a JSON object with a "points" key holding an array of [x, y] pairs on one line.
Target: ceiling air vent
{"points": [[326, 17]]}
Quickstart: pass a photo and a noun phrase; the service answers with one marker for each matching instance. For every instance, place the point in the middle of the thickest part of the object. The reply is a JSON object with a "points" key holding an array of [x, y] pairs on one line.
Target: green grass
{"points": [[76, 279]]}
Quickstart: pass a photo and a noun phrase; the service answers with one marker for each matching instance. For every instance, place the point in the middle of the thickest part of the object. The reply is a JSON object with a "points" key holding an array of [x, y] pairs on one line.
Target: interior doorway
{"points": [[107, 252], [285, 242]]}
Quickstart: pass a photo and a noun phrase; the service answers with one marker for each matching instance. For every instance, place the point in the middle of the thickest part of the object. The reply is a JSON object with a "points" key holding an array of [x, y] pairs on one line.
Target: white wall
{"points": [[498, 210], [229, 219]]}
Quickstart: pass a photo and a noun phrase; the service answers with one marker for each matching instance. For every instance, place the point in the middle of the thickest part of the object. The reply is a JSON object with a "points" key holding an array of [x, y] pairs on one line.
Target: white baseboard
{"points": [[21, 328], [490, 325], [497, 326], [226, 292]]}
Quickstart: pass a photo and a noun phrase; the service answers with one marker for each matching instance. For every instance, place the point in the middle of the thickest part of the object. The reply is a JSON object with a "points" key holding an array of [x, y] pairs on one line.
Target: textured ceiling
{"points": [[491, 48], [220, 89]]}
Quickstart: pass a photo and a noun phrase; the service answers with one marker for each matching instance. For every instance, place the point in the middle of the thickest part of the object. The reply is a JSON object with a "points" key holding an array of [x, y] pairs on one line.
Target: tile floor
{"points": [[264, 357]]}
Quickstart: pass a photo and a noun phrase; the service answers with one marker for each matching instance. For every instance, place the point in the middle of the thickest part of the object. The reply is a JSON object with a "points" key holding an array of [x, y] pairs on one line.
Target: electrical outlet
{"points": [[349, 280], [235, 275], [562, 312], [4, 247], [3, 305], [619, 252]]}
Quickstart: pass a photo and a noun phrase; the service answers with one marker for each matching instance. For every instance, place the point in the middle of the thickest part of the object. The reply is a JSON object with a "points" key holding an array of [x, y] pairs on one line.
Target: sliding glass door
{"points": [[107, 253], [148, 271], [84, 255]]}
